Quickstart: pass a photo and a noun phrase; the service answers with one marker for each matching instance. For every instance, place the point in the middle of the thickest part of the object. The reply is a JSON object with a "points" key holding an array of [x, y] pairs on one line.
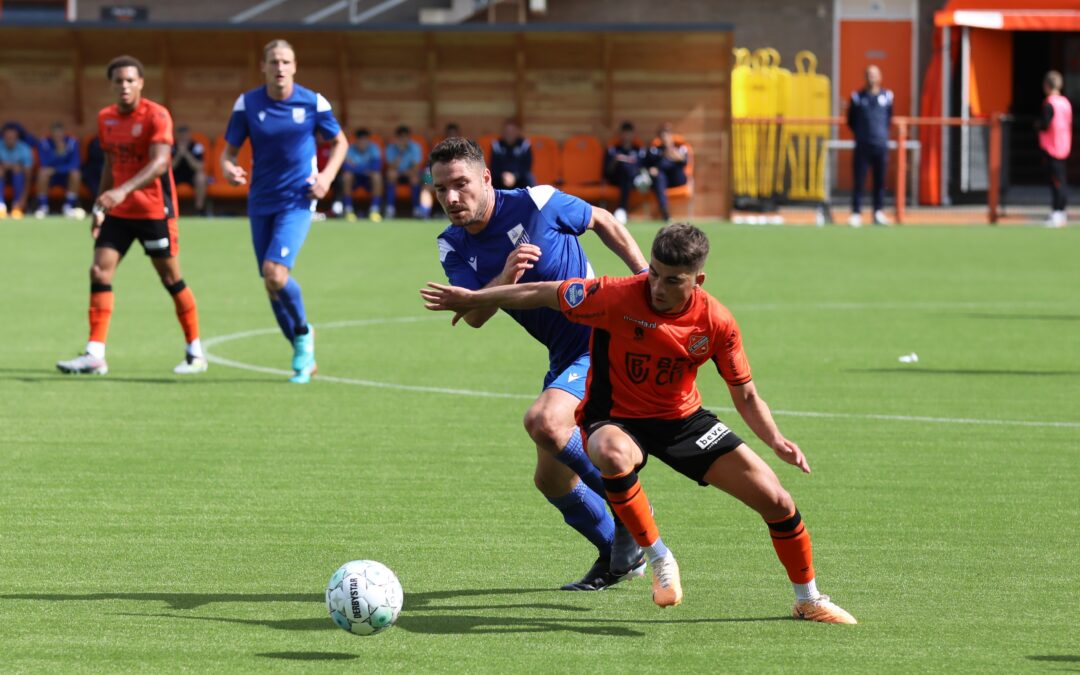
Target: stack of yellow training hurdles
{"points": [[776, 161]]}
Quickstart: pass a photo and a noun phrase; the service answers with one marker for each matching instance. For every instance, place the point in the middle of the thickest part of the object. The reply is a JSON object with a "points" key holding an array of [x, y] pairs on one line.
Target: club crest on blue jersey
{"points": [[574, 294], [298, 115]]}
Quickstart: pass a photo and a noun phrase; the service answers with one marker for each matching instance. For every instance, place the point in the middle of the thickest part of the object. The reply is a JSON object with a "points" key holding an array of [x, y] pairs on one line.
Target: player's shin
{"points": [[292, 300], [792, 543], [101, 308], [284, 321], [628, 500], [585, 511], [187, 314]]}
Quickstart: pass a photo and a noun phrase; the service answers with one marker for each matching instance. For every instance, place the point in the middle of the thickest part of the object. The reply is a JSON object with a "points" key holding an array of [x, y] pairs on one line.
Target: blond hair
{"points": [[276, 44]]}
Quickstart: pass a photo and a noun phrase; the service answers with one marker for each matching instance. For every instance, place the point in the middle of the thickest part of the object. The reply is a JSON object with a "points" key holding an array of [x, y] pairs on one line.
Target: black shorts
{"points": [[690, 445], [157, 236]]}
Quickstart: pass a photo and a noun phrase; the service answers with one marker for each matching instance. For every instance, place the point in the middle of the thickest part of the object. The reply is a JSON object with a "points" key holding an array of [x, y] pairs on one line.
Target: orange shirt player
{"points": [[651, 333], [137, 201]]}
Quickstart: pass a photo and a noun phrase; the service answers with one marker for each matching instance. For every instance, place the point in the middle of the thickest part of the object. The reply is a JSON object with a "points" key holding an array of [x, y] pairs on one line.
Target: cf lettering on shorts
{"points": [[157, 244], [712, 436]]}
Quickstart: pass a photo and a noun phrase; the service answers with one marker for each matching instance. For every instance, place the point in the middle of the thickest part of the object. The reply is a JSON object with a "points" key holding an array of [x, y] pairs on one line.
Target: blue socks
{"points": [[573, 456], [284, 320], [289, 310], [18, 179], [293, 303], [586, 512]]}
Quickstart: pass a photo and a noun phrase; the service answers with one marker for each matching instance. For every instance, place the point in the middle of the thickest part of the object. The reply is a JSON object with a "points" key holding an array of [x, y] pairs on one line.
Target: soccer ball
{"points": [[364, 597]]}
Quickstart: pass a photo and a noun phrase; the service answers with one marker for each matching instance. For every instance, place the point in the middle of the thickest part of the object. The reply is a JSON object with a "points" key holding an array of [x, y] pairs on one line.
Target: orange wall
{"points": [[991, 71]]}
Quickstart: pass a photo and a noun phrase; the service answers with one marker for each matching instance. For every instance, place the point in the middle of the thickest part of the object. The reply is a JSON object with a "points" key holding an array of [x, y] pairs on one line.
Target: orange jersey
{"points": [[126, 138], [644, 364]]}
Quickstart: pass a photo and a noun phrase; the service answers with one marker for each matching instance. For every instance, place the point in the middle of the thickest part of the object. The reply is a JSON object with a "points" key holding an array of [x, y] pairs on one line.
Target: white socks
{"points": [[195, 348], [807, 591], [96, 349]]}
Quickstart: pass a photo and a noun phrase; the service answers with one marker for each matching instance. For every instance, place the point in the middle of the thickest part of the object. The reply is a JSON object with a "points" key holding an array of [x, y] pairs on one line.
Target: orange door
{"points": [[886, 44]]}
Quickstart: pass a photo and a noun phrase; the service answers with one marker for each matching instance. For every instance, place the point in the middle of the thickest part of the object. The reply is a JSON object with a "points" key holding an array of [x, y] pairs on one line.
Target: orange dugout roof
{"points": [[1009, 15]]}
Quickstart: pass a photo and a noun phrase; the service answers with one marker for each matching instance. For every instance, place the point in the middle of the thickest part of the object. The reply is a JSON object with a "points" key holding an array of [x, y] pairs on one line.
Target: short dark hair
{"points": [[457, 147], [453, 126], [626, 126], [361, 132], [402, 129], [681, 245], [124, 61], [10, 126], [183, 127]]}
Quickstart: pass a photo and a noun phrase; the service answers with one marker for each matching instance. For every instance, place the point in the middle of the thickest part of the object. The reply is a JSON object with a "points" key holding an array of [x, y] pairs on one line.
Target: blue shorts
{"points": [[278, 237], [59, 179], [361, 180], [572, 379]]}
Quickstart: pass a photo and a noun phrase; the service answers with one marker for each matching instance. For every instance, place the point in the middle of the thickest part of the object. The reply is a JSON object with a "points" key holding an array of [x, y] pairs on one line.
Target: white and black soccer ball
{"points": [[364, 597]]}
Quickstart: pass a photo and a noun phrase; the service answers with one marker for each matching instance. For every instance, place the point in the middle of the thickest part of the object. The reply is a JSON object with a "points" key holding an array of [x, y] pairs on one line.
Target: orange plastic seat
{"points": [[582, 162], [545, 153]]}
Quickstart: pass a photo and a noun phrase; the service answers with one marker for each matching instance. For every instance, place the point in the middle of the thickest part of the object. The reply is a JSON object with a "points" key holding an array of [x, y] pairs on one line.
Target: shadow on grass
{"points": [[418, 616], [1056, 658], [309, 656], [916, 370]]}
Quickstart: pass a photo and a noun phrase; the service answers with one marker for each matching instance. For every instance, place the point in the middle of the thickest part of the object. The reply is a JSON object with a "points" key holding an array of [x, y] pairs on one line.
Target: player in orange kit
{"points": [[137, 201], [651, 333]]}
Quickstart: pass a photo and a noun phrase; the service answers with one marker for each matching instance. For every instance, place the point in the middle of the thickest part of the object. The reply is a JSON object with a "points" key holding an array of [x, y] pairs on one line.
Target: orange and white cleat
{"points": [[666, 584], [822, 609]]}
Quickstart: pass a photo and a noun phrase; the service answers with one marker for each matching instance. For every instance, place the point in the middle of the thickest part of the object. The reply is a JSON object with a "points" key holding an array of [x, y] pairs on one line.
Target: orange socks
{"points": [[628, 500], [101, 307], [184, 300], [792, 544]]}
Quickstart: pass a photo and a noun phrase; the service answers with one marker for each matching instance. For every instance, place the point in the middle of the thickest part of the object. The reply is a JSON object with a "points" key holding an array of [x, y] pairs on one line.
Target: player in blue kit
{"points": [[281, 120], [499, 237]]}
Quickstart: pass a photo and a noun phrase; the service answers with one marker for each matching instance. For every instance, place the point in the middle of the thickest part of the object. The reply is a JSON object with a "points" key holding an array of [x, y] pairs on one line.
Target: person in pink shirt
{"points": [[1055, 141]]}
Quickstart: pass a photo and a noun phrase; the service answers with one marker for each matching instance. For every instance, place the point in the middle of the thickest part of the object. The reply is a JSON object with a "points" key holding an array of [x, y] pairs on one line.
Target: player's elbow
{"points": [[476, 320]]}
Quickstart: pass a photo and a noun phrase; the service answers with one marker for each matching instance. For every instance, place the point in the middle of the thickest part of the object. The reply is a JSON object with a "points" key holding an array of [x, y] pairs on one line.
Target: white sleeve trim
{"points": [[239, 105], [444, 249], [321, 104], [540, 195]]}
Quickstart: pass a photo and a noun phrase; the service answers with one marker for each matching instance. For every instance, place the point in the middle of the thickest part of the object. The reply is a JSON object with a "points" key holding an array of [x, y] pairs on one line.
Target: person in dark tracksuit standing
{"points": [[869, 115]]}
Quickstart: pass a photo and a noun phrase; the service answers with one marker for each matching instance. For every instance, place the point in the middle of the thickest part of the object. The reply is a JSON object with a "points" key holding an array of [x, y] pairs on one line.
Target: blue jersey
{"points": [[869, 116], [544, 217], [63, 159], [368, 160], [282, 137], [407, 158], [19, 154]]}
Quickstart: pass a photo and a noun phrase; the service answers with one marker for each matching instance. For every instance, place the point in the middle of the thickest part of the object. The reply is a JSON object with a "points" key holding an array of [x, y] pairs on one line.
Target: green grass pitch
{"points": [[151, 523]]}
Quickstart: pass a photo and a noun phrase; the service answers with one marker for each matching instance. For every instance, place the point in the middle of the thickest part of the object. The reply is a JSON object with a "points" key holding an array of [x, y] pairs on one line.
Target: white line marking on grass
{"points": [[231, 363]]}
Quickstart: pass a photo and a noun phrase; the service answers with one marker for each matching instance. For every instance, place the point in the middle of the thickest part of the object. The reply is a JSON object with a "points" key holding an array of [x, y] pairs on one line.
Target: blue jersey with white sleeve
{"points": [[282, 137], [544, 217]]}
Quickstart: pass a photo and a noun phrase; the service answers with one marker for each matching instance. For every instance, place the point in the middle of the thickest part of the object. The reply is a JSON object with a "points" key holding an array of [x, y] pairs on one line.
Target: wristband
{"points": [[644, 270]]}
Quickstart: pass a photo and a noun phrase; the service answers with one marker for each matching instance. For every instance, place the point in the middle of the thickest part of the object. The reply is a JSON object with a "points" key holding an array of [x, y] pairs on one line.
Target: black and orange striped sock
{"points": [[792, 544], [186, 312], [628, 500], [101, 307]]}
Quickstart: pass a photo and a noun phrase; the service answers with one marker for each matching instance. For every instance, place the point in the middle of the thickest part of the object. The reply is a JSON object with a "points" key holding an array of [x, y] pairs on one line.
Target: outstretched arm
{"points": [[443, 298], [755, 412], [520, 259], [617, 238]]}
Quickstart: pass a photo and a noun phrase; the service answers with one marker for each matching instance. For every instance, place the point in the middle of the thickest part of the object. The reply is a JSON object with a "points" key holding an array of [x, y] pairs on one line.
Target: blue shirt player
{"points": [[499, 237], [281, 121]]}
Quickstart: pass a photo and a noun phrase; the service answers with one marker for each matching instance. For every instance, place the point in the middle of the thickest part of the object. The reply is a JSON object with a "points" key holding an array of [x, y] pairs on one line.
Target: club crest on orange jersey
{"points": [[699, 345]]}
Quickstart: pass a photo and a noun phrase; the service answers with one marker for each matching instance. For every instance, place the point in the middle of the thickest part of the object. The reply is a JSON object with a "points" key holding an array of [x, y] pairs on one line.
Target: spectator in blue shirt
{"points": [[58, 164], [403, 167], [511, 159], [622, 164], [16, 160], [869, 115], [362, 168]]}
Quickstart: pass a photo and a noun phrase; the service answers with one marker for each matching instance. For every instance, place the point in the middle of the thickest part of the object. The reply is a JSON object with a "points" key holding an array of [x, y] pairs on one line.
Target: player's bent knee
{"points": [[275, 276], [100, 275], [612, 455], [545, 426]]}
